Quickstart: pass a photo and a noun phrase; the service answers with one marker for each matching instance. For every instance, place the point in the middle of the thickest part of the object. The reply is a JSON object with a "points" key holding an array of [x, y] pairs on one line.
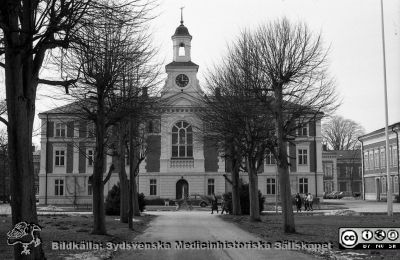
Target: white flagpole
{"points": [[388, 179]]}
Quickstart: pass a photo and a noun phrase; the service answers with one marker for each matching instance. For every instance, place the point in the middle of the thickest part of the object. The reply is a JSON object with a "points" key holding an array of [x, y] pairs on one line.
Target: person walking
{"points": [[310, 199], [223, 206], [298, 202], [214, 204], [305, 202]]}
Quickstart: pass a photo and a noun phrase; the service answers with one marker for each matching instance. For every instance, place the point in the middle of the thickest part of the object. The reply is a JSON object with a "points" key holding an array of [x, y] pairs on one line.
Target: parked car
{"points": [[333, 195], [198, 200], [343, 194]]}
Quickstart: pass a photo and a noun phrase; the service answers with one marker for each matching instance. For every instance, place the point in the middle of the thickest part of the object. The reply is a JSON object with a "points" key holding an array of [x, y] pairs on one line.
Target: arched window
{"points": [[181, 51], [182, 140]]}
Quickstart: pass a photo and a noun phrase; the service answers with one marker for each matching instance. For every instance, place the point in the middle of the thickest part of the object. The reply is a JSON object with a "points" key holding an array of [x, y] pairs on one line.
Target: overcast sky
{"points": [[350, 28]]}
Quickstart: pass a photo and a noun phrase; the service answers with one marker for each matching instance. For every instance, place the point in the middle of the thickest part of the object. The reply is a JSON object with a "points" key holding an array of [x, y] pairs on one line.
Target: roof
{"points": [[69, 108], [177, 64], [343, 154], [182, 30], [381, 130]]}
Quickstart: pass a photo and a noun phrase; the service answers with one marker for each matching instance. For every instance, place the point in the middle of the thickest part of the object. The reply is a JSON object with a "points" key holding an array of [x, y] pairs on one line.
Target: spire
{"points": [[182, 14]]}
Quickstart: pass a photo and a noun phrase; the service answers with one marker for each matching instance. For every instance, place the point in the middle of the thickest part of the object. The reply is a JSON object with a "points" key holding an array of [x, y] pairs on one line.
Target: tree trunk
{"points": [[135, 166], [130, 211], [236, 207], [99, 221], [283, 167], [20, 93], [123, 180], [136, 210], [253, 190]]}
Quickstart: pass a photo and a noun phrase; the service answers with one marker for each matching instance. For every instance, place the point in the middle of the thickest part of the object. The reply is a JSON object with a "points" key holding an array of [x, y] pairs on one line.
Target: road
{"points": [[204, 227]]}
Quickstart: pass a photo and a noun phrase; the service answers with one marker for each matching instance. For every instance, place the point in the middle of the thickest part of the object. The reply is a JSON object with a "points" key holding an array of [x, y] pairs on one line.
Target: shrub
{"points": [[113, 201], [244, 200], [142, 202], [156, 201]]}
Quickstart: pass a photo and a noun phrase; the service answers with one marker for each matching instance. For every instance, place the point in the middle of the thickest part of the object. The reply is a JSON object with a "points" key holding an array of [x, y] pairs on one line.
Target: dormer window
{"points": [[181, 51]]}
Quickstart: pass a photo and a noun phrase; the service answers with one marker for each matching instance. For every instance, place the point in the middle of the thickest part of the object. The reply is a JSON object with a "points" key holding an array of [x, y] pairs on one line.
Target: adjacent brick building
{"points": [[374, 162]]}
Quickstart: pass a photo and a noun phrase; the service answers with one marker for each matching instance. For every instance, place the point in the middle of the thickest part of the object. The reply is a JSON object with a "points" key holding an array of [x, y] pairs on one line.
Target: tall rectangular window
{"points": [[366, 162], [303, 185], [269, 159], [271, 186], [210, 186], [60, 158], [395, 159], [89, 189], [60, 129], [390, 155], [349, 171], [302, 156], [153, 187], [383, 181], [58, 187], [383, 157], [90, 157], [371, 159], [376, 158], [328, 169]]}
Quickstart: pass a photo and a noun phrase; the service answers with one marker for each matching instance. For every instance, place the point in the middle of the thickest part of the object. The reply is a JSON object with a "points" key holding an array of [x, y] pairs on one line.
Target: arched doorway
{"points": [[182, 189]]}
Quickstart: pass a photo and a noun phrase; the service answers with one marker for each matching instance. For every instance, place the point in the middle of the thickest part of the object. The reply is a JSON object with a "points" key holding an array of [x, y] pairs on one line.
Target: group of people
{"points": [[214, 205], [307, 199]]}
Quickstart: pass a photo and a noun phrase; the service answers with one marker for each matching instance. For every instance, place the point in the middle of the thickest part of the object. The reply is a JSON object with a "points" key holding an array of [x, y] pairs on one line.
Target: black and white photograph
{"points": [[183, 129]]}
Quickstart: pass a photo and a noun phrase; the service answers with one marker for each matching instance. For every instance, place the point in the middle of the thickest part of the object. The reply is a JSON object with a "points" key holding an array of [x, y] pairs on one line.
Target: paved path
{"points": [[204, 227]]}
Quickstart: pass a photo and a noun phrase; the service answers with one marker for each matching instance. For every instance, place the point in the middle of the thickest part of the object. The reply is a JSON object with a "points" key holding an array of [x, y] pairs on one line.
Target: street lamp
{"points": [[389, 182]]}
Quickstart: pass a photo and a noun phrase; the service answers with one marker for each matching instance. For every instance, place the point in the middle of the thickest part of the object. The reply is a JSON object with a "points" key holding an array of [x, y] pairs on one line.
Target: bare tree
{"points": [[342, 134], [109, 45], [3, 112], [28, 29], [296, 90], [238, 117], [4, 164]]}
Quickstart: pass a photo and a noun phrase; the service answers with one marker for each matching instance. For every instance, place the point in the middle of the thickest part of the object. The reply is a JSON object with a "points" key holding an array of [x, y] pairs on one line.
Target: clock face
{"points": [[181, 80]]}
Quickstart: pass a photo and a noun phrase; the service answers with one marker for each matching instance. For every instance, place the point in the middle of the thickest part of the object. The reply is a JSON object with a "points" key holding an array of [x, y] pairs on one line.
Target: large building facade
{"points": [[178, 163], [342, 171], [374, 163]]}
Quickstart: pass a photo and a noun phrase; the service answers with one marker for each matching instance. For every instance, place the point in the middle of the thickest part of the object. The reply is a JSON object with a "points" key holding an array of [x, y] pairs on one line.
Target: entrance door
{"points": [[378, 189], [182, 189]]}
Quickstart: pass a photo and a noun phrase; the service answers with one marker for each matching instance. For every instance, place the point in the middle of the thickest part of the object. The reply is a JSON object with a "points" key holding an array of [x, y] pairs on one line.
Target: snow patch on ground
{"points": [[341, 255], [90, 255], [50, 208], [346, 212]]}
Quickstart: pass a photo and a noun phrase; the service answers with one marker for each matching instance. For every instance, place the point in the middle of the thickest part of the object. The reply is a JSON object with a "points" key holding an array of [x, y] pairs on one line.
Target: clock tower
{"points": [[182, 72]]}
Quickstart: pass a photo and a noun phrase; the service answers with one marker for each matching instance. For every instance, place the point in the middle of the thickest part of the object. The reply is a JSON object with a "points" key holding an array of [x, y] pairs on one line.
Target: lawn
{"points": [[75, 228], [317, 228]]}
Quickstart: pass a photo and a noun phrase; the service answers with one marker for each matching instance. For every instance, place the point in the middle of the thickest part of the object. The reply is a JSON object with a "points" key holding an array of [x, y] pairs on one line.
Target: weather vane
{"points": [[182, 14]]}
